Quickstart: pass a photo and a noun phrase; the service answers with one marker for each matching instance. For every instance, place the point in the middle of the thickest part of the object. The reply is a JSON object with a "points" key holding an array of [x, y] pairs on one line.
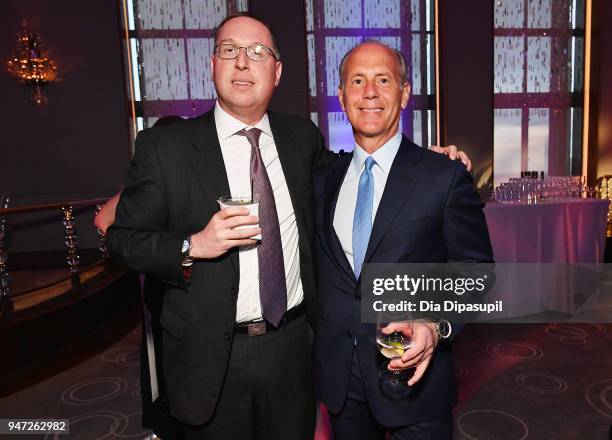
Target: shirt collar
{"points": [[227, 125], [384, 156]]}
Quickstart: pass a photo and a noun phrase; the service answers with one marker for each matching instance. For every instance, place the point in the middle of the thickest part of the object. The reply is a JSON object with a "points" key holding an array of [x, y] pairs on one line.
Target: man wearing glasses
{"points": [[237, 347]]}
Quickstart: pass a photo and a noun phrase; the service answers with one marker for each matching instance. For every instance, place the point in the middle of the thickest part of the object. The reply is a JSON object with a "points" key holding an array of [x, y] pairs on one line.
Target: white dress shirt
{"points": [[236, 152], [347, 198]]}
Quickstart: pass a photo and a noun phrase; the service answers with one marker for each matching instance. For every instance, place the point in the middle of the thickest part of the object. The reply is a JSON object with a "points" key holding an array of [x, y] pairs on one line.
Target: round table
{"points": [[572, 231]]}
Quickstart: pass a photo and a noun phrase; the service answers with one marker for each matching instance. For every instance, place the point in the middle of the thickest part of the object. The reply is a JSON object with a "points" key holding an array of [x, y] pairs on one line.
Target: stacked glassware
{"points": [[528, 190]]}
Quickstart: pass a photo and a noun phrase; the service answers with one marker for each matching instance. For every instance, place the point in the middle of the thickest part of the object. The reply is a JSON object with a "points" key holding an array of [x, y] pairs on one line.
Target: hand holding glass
{"points": [[252, 203], [393, 345]]}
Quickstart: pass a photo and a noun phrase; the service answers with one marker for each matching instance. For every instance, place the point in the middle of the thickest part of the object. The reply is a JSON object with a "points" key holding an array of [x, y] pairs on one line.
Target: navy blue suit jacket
{"points": [[429, 212]]}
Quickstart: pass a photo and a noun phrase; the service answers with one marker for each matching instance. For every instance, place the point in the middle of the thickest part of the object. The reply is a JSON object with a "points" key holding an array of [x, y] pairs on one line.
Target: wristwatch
{"points": [[443, 328], [186, 259]]}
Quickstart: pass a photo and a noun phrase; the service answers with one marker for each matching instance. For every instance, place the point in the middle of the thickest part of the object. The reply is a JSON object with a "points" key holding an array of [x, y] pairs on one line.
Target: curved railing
{"points": [[75, 272]]}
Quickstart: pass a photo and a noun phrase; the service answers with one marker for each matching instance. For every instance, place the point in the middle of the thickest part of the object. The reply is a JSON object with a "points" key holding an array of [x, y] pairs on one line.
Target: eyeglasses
{"points": [[255, 52]]}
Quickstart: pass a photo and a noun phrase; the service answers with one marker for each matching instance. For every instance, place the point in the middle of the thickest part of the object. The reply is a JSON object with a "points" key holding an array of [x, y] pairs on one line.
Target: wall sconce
{"points": [[30, 64]]}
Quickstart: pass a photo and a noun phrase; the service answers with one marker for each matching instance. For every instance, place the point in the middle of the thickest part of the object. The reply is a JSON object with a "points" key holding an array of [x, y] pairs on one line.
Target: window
{"points": [[335, 26], [172, 41], [538, 86]]}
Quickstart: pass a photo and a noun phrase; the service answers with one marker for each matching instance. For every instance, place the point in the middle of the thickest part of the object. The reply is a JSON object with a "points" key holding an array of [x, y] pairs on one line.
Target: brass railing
{"points": [[70, 239]]}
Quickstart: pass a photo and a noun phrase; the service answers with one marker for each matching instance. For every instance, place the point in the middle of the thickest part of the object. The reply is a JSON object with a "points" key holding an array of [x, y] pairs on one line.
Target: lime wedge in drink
{"points": [[396, 344], [391, 353]]}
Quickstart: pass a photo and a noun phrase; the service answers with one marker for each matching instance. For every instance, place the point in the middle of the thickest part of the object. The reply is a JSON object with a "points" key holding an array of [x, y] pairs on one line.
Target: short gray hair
{"points": [[401, 61]]}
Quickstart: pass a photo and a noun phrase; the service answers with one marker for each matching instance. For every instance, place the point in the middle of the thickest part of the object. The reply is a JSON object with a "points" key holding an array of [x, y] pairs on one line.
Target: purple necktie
{"points": [[272, 283]]}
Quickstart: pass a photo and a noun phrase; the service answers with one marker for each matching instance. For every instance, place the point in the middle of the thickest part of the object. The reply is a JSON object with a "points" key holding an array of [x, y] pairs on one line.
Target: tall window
{"points": [[335, 26], [171, 42], [538, 86]]}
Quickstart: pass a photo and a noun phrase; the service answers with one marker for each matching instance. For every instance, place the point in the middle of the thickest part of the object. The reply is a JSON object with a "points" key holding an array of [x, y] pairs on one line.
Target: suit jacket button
{"points": [[227, 336], [233, 291], [349, 333]]}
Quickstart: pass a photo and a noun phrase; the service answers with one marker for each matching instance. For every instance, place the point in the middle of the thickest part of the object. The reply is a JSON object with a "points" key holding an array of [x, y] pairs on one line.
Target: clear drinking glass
{"points": [[393, 346], [250, 202]]}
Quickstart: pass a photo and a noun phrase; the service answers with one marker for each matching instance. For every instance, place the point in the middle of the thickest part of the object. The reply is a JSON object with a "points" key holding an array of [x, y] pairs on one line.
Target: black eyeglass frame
{"points": [[246, 48]]}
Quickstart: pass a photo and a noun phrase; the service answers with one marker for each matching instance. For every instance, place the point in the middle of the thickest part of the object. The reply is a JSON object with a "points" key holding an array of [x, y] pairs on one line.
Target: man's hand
{"points": [[219, 234], [424, 341], [453, 153]]}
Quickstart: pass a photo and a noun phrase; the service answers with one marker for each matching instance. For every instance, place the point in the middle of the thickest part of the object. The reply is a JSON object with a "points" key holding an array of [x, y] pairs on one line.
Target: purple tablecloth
{"points": [[571, 232], [564, 232]]}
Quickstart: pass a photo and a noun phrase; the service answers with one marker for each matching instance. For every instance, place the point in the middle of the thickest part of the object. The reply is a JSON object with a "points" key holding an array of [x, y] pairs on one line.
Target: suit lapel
{"points": [[207, 162], [333, 183], [401, 181]]}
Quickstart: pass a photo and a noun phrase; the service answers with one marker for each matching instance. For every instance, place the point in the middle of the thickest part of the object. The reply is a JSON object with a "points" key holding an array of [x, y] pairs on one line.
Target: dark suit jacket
{"points": [[175, 178], [429, 213]]}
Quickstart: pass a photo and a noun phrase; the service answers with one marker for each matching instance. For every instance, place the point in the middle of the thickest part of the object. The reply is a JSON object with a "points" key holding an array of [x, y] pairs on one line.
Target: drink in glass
{"points": [[250, 202]]}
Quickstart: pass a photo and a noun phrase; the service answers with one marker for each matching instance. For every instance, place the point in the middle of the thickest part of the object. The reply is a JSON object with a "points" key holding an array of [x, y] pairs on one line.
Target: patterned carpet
{"points": [[535, 381], [516, 382], [100, 396]]}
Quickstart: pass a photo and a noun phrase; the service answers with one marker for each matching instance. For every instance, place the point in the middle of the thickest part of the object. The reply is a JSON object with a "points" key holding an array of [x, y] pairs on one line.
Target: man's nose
{"points": [[370, 91], [242, 60]]}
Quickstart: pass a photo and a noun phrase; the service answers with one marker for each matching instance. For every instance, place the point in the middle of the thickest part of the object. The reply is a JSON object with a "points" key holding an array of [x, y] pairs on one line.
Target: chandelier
{"points": [[30, 64]]}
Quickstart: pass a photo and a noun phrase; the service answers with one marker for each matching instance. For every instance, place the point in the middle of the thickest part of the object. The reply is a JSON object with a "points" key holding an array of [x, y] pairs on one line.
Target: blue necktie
{"points": [[362, 222]]}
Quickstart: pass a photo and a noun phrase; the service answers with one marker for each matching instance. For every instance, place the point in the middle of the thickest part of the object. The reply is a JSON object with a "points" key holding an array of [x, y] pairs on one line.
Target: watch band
{"points": [[186, 259], [443, 328]]}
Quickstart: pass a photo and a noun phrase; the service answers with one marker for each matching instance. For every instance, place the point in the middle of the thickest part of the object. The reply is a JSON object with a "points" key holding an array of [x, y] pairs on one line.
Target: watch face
{"points": [[444, 328], [185, 246]]}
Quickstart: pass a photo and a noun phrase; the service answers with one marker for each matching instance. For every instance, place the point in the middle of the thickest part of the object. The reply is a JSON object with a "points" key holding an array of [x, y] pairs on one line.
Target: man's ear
{"points": [[279, 71], [405, 95], [341, 98]]}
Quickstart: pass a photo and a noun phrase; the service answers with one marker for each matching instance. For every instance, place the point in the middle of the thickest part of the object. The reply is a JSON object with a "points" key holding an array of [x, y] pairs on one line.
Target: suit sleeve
{"points": [[465, 227], [140, 238]]}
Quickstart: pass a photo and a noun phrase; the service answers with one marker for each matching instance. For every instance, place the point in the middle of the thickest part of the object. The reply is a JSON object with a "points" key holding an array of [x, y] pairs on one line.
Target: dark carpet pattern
{"points": [[100, 397], [533, 381]]}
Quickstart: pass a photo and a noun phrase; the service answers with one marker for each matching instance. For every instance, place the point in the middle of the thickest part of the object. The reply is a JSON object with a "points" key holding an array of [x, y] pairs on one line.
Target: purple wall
{"points": [[77, 146]]}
